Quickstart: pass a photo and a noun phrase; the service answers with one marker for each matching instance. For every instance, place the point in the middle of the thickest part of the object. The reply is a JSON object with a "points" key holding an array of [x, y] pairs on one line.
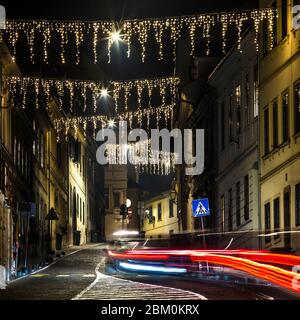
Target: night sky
{"points": [[117, 9], [121, 67]]}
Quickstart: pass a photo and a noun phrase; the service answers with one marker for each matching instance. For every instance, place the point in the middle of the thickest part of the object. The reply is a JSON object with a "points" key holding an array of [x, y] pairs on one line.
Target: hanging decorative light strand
{"points": [[77, 32], [94, 89]]}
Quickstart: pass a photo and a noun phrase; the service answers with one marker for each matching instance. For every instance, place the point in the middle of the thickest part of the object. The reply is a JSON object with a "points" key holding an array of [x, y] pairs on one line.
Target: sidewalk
{"points": [[55, 258]]}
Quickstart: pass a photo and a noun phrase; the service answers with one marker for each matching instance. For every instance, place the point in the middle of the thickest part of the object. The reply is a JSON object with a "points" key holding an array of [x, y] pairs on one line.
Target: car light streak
{"points": [[256, 263], [141, 267]]}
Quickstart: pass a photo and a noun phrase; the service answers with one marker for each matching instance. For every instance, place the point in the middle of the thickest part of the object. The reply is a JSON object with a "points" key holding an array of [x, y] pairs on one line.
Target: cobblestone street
{"points": [[81, 276]]}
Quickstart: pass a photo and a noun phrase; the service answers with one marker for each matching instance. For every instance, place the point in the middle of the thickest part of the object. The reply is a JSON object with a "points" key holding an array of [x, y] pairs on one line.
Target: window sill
{"points": [[275, 47], [276, 149], [268, 244], [277, 240], [296, 136], [267, 155], [244, 224], [285, 143]]}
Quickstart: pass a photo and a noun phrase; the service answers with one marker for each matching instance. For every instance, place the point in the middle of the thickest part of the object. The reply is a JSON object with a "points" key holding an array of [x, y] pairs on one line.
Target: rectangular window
{"points": [[246, 197], [238, 108], [247, 100], [77, 206], [116, 198], [297, 106], [276, 216], [171, 209], [42, 151], [223, 126], [285, 117], [275, 124], [230, 120], [267, 221], [265, 37], [150, 214], [83, 167], [76, 151], [159, 212], [83, 213], [297, 204], [80, 209], [19, 154], [266, 130], [256, 92], [238, 203], [230, 210], [284, 18]]}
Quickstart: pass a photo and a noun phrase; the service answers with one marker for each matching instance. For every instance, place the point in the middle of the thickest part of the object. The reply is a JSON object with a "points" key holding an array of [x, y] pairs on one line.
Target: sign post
{"points": [[201, 209]]}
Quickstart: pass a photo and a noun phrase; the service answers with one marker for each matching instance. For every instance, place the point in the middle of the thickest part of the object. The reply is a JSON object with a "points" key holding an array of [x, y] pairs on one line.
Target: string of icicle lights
{"points": [[75, 34], [92, 91], [142, 157], [65, 125]]}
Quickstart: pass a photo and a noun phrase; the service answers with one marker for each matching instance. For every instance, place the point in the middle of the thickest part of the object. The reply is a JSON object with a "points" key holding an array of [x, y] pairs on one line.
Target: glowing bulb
{"points": [[111, 123], [104, 93], [115, 36]]}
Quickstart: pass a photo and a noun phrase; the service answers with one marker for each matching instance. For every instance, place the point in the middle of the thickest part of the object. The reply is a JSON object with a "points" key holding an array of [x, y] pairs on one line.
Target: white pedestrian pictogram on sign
{"points": [[201, 210]]}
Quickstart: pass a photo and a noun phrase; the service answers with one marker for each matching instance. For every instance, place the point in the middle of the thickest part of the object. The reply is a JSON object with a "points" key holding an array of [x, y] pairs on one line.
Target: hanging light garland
{"points": [[95, 89], [142, 157], [78, 32], [64, 125]]}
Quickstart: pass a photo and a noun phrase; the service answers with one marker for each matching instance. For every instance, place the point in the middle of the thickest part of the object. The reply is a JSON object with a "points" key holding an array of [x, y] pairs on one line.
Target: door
{"points": [[74, 215]]}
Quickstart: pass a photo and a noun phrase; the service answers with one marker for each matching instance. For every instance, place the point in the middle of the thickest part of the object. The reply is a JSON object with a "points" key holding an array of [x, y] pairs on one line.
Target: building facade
{"points": [[279, 94], [237, 175], [160, 217], [196, 111], [115, 184], [50, 187]]}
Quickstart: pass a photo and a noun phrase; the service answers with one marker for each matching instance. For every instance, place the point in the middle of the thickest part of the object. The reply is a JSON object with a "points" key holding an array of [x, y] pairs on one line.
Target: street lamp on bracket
{"points": [[173, 192]]}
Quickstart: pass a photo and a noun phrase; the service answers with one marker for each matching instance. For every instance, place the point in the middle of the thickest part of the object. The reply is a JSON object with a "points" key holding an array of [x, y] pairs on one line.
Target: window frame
{"points": [[285, 113]]}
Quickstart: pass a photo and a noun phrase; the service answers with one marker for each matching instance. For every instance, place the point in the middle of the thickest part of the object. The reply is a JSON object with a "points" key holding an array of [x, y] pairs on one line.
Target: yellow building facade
{"points": [[8, 229], [160, 217], [279, 94], [78, 189]]}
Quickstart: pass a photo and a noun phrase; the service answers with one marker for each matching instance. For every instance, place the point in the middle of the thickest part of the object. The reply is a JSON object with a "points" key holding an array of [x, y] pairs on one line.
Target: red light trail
{"points": [[259, 264]]}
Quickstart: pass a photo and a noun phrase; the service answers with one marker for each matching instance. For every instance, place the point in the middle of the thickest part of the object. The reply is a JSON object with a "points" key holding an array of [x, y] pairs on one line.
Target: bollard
{"points": [[2, 278]]}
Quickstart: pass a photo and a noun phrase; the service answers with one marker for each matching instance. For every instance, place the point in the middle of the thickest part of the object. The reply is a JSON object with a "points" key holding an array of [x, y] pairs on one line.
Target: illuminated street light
{"points": [[128, 203]]}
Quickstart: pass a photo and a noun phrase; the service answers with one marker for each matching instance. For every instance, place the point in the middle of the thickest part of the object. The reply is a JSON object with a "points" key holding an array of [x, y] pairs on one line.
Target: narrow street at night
{"points": [[149, 158], [82, 275]]}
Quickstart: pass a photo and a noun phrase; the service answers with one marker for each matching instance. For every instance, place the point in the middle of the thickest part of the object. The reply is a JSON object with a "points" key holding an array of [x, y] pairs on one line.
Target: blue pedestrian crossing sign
{"points": [[200, 208]]}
